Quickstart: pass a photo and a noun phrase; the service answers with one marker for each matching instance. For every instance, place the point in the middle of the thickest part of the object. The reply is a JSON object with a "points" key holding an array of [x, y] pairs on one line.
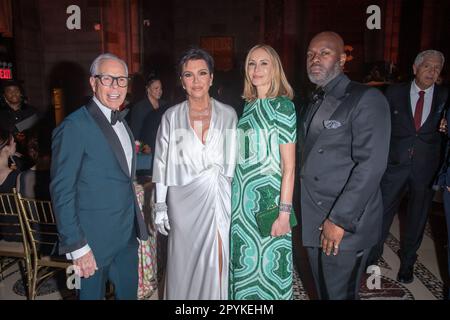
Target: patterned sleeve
{"points": [[286, 122]]}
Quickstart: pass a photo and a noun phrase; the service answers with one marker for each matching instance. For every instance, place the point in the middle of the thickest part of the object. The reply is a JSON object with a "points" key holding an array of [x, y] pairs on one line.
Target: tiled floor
{"points": [[430, 271], [10, 283], [11, 288]]}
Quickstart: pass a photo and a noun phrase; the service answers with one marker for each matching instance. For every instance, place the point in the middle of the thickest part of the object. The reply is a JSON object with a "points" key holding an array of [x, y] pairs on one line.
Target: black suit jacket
{"points": [[343, 164], [421, 149], [443, 178]]}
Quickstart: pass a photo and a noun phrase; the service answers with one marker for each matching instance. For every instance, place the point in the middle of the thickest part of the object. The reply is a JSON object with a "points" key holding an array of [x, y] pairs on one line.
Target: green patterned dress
{"points": [[260, 268]]}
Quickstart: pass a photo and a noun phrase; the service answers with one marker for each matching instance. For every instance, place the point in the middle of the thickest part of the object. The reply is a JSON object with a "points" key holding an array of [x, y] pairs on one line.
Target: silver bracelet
{"points": [[285, 207], [159, 206]]}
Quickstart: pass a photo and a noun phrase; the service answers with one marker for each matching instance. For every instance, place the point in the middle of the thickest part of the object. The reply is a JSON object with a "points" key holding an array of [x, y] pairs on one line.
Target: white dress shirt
{"points": [[428, 100], [125, 141]]}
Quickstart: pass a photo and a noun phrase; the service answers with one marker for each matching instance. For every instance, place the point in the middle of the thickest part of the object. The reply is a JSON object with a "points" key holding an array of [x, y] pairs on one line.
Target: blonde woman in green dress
{"points": [[261, 267]]}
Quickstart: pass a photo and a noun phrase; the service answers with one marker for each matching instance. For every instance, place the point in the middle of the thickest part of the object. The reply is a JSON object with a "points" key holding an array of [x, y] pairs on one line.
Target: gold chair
{"points": [[40, 226], [12, 229]]}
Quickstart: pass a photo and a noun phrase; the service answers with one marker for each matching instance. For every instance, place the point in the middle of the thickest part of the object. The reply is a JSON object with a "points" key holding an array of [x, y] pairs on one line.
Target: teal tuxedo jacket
{"points": [[91, 186]]}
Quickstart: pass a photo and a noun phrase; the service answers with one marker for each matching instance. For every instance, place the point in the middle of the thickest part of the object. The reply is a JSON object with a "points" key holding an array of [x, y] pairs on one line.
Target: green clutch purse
{"points": [[266, 218]]}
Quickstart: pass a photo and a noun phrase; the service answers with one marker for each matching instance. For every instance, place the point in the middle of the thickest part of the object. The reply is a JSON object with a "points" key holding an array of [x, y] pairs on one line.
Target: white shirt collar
{"points": [[416, 89], [106, 111]]}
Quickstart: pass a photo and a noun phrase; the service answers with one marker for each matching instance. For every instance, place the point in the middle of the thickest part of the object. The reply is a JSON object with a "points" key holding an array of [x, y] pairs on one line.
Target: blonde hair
{"points": [[279, 86]]}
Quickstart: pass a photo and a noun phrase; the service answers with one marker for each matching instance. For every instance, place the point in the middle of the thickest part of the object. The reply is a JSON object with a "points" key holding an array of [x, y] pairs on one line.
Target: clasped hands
{"points": [[331, 237]]}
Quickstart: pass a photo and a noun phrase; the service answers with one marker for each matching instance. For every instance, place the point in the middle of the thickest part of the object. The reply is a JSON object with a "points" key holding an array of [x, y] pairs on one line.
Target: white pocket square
{"points": [[331, 124]]}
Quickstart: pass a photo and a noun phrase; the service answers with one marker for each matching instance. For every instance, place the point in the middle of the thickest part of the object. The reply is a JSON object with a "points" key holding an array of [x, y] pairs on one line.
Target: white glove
{"points": [[161, 217], [162, 222]]}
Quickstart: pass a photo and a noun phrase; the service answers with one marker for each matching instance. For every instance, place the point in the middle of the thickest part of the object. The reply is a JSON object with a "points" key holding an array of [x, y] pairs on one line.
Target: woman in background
{"points": [[146, 114], [8, 176], [34, 183]]}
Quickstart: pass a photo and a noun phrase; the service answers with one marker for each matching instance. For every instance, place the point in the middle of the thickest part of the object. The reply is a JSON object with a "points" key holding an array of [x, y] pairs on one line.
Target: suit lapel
{"points": [[439, 99], [133, 159], [312, 109], [407, 98], [110, 135], [307, 137], [438, 103], [328, 108], [437, 106], [331, 104]]}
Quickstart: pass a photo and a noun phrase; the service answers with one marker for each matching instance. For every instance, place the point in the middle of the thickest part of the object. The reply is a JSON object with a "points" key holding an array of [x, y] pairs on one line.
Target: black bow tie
{"points": [[118, 116]]}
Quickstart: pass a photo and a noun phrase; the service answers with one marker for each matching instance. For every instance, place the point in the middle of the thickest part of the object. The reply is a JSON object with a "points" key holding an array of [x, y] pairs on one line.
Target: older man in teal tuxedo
{"points": [[93, 166]]}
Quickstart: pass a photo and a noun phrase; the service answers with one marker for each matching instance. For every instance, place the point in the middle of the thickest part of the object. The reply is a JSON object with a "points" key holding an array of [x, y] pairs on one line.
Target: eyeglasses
{"points": [[108, 80]]}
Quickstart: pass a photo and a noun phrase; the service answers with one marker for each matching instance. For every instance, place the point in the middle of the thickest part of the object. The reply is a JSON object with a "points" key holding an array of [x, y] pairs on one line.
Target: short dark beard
{"points": [[330, 75]]}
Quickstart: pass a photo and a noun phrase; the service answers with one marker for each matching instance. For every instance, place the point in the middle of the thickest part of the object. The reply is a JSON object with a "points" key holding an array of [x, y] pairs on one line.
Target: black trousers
{"points": [[395, 184], [337, 277]]}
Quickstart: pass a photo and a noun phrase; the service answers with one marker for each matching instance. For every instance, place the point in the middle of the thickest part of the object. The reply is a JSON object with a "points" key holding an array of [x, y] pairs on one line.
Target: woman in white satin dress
{"points": [[194, 163]]}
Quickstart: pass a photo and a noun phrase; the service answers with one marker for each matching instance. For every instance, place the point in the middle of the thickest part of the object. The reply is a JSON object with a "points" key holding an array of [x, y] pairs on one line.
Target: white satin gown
{"points": [[198, 177]]}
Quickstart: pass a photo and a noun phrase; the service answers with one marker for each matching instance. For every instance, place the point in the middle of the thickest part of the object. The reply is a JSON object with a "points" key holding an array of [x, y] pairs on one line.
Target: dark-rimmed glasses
{"points": [[108, 80]]}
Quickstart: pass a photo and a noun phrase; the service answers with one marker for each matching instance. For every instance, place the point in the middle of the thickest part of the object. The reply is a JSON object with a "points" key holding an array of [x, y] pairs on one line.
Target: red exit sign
{"points": [[5, 74]]}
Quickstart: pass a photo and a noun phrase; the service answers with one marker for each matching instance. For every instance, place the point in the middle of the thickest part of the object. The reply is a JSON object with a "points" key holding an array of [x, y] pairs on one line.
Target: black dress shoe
{"points": [[406, 275]]}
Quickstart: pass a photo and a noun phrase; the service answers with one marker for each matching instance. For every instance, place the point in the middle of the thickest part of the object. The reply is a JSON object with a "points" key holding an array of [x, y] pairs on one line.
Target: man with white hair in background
{"points": [[417, 108]]}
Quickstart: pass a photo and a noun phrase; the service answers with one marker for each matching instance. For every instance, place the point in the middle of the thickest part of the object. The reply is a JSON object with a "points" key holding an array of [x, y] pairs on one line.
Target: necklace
{"points": [[203, 112]]}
